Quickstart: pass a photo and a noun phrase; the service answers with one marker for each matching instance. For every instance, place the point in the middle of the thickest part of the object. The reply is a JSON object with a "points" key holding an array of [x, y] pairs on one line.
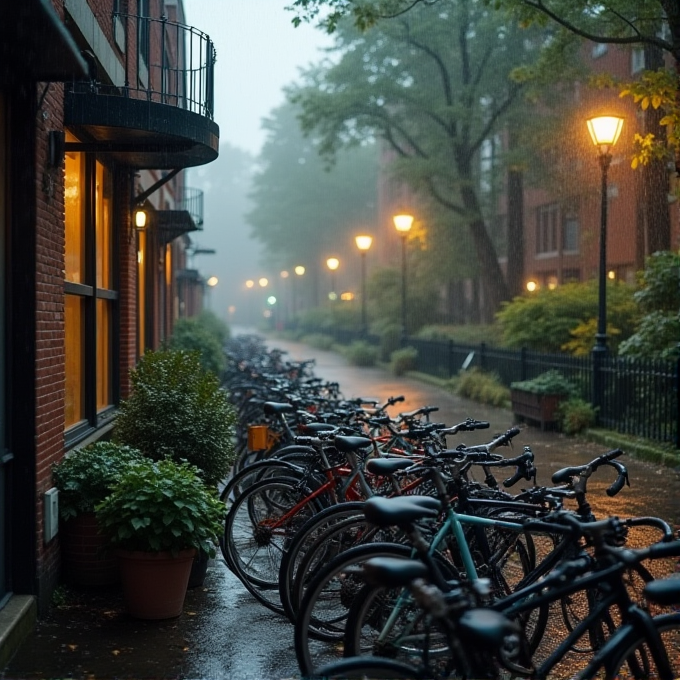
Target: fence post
{"points": [[523, 363], [677, 403], [482, 356]]}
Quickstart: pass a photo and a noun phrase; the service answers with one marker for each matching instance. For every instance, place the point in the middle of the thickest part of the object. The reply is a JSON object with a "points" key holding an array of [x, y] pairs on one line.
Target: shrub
{"points": [[192, 335], [86, 476], [575, 415], [319, 340], [553, 320], [485, 388], [403, 360], [177, 410], [390, 339], [550, 382], [361, 353]]}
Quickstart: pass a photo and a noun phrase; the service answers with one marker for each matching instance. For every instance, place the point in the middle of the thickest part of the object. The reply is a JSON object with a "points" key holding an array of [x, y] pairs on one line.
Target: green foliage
{"points": [[319, 340], [86, 476], [467, 334], [485, 388], [403, 360], [574, 415], [550, 382], [546, 320], [658, 332], [215, 326], [390, 338], [194, 335], [361, 353], [162, 505], [301, 208], [177, 410]]}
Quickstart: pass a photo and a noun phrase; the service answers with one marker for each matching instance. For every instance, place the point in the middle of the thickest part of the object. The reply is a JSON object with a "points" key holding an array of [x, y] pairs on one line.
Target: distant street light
{"points": [[264, 282], [363, 242], [604, 131], [332, 263], [211, 282], [403, 223], [299, 271]]}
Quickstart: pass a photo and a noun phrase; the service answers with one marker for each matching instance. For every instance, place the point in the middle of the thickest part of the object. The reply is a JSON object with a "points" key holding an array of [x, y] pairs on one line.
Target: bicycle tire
{"points": [[253, 547], [326, 603], [304, 540], [630, 657], [367, 668]]}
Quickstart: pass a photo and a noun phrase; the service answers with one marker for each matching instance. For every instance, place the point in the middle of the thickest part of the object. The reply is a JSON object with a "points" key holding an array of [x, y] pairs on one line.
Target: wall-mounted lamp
{"points": [[140, 219]]}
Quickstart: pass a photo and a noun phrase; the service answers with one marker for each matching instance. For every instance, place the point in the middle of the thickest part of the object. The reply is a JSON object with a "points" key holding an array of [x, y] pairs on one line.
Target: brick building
{"points": [[103, 103]]}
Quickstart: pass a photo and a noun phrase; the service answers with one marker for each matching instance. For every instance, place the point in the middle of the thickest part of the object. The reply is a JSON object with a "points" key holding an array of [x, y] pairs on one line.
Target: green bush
{"points": [[575, 415], [390, 339], [485, 388], [467, 334], [319, 340], [191, 335], [403, 360], [86, 476], [177, 410], [561, 319], [550, 382], [361, 353], [159, 506]]}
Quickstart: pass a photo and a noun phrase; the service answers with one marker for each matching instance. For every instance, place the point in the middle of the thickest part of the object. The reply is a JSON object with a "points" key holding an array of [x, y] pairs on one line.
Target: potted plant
{"points": [[157, 517], [537, 399], [84, 478]]}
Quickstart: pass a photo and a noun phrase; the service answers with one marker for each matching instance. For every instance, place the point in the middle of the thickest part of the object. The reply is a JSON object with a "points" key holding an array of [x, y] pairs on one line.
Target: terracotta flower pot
{"points": [[155, 584], [85, 554]]}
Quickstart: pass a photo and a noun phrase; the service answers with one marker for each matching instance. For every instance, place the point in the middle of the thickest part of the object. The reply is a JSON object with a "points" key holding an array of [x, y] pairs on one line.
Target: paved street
{"points": [[224, 633]]}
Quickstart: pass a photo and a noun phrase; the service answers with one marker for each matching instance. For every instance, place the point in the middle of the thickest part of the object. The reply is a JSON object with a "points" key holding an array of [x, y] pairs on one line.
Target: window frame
{"points": [[90, 292]]}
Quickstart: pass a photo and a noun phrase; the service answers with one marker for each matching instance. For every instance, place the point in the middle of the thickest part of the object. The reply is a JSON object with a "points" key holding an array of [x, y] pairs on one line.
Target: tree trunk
{"points": [[491, 275], [515, 270]]}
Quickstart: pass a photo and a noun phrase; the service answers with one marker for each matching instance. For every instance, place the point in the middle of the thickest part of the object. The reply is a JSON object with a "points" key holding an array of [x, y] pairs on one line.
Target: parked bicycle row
{"points": [[385, 543]]}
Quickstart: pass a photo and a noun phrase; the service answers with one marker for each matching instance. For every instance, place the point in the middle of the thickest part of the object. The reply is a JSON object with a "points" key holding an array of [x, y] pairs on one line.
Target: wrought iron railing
{"points": [[192, 202], [167, 62], [163, 61]]}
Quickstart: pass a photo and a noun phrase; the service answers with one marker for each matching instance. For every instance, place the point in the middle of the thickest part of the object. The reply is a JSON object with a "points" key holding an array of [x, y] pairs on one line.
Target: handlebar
{"points": [[566, 475], [467, 425], [501, 440]]}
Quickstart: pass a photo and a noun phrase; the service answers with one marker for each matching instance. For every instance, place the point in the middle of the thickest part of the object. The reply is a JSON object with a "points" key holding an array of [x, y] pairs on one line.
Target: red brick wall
{"points": [[49, 320]]}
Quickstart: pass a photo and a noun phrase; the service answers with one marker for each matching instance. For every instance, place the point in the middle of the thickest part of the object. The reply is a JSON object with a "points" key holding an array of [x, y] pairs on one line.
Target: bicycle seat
{"points": [[343, 443], [665, 591], [400, 510], [315, 428], [393, 572], [387, 466], [274, 407]]}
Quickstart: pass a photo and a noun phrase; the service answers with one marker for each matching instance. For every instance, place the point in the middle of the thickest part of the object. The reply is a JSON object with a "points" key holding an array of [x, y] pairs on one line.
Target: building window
{"points": [[599, 50], [637, 60], [90, 293], [570, 235], [547, 229]]}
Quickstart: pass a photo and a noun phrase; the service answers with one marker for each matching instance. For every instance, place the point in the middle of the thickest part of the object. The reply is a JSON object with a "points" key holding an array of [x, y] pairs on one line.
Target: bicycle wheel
{"points": [[258, 526], [307, 538], [386, 622], [366, 668], [632, 657], [324, 608]]}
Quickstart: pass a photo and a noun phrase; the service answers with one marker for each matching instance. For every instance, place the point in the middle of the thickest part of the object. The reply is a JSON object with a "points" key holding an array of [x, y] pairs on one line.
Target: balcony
{"points": [[161, 114], [187, 217]]}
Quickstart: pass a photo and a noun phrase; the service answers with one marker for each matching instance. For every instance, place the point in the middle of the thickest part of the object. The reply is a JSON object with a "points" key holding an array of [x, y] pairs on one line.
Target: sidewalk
{"points": [[224, 633]]}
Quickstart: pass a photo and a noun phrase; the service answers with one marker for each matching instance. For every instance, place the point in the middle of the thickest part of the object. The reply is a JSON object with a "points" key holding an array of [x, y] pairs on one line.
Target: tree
{"points": [[437, 102], [302, 211]]}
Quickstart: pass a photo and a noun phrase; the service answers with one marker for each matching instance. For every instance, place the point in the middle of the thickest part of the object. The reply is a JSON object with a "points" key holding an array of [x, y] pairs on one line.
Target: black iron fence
{"points": [[640, 395]]}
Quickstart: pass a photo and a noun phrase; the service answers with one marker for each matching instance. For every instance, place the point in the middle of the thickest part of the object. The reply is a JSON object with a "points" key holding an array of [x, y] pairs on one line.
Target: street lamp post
{"points": [[363, 244], [211, 282], [403, 224], [299, 272], [604, 131], [332, 263]]}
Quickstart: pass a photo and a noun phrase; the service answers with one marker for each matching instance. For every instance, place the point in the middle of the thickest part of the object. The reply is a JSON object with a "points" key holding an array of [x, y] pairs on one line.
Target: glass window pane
{"points": [[74, 200], [104, 190], [74, 408], [104, 365]]}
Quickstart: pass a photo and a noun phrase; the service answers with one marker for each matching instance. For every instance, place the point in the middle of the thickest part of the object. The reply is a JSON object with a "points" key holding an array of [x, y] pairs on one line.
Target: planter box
{"points": [[540, 408]]}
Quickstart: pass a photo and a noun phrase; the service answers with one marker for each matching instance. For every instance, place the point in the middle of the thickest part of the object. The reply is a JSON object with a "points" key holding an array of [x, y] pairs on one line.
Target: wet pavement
{"points": [[223, 632]]}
